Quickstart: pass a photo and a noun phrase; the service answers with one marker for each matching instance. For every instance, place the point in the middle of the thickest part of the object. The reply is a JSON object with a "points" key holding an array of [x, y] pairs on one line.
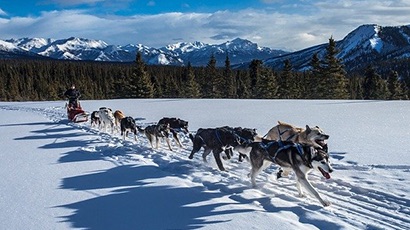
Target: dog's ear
{"points": [[308, 130]]}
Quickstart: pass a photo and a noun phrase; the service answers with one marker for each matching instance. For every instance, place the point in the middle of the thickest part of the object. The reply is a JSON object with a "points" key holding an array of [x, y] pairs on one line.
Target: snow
{"points": [[162, 59], [60, 175], [7, 46], [376, 42]]}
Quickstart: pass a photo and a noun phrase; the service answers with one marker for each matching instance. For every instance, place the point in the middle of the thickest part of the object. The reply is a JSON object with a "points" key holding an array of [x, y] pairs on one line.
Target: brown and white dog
{"points": [[313, 136], [118, 116]]}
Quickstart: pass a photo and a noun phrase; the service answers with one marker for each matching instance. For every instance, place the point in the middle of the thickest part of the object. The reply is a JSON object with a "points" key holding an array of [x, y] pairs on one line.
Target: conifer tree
{"points": [[267, 85], [243, 85], [374, 87], [355, 87], [140, 85], [288, 83], [230, 89], [157, 87], [192, 89], [12, 86], [404, 90], [170, 88], [334, 74], [394, 86], [254, 73], [315, 80], [209, 83], [218, 83]]}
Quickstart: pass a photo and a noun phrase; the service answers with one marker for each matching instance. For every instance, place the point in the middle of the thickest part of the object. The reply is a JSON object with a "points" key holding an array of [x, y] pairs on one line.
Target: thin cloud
{"points": [[74, 2], [272, 1], [2, 12], [266, 27]]}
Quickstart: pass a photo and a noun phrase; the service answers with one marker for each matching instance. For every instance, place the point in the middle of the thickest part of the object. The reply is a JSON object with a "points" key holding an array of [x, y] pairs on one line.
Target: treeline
{"points": [[22, 80]]}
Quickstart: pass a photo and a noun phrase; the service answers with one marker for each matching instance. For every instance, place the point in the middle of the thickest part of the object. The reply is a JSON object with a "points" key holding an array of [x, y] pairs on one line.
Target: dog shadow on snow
{"points": [[143, 205]]}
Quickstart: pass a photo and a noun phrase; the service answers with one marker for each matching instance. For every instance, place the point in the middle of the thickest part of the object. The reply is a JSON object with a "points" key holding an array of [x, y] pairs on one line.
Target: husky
{"points": [[247, 136], [107, 119], [176, 125], [127, 124], [313, 136], [95, 120], [118, 115], [301, 159], [214, 140], [157, 132]]}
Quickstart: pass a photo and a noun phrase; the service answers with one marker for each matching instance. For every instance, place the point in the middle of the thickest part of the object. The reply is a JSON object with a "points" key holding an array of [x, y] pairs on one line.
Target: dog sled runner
{"points": [[76, 114]]}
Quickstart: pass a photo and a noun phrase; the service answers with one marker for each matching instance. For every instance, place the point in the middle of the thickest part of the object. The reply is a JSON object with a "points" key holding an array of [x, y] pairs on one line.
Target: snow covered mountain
{"points": [[198, 53], [364, 45], [8, 50]]}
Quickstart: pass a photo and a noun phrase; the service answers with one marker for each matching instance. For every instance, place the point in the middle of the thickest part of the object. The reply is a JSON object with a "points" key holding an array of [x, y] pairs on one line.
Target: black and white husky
{"points": [[127, 124], [157, 132], [176, 125], [95, 119], [291, 157]]}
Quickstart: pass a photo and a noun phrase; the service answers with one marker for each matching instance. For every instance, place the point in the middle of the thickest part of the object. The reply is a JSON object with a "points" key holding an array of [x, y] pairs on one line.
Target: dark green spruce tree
{"points": [[255, 68], [315, 81], [334, 74], [374, 87], [230, 84], [218, 84], [242, 85], [266, 84], [140, 85], [209, 82], [355, 87], [394, 86], [288, 83], [192, 88]]}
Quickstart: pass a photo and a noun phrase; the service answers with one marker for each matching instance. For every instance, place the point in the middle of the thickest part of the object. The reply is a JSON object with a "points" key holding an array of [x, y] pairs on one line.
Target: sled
{"points": [[77, 114]]}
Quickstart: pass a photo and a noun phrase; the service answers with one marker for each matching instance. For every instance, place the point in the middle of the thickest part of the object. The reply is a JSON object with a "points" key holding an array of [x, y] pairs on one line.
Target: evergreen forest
{"points": [[38, 80]]}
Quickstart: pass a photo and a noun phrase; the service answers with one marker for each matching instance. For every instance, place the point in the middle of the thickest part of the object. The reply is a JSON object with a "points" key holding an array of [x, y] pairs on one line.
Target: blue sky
{"points": [[281, 24]]}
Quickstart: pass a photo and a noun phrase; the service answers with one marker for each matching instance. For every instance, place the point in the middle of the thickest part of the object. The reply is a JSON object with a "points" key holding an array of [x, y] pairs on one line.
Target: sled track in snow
{"points": [[358, 207]]}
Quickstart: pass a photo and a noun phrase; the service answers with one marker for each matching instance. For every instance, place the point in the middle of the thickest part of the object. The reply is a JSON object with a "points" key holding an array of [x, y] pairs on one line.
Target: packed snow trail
{"points": [[356, 202]]}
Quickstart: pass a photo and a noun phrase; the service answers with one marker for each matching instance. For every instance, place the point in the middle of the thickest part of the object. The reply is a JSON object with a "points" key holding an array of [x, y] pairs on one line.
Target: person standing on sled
{"points": [[72, 94]]}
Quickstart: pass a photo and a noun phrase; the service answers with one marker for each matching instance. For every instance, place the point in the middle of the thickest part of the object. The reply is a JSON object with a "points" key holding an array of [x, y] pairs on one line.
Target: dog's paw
{"points": [[279, 174], [302, 195], [326, 203]]}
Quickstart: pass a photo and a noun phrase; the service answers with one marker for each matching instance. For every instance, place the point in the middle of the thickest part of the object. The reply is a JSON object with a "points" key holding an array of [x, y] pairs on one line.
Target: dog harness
{"points": [[234, 134], [282, 147], [281, 133]]}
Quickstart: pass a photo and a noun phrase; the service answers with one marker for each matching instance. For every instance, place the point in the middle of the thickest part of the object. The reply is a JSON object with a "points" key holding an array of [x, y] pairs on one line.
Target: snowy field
{"points": [[60, 175]]}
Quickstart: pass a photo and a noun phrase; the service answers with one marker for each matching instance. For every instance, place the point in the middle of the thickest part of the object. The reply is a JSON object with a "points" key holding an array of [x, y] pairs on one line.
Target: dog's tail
{"points": [[191, 137], [141, 130]]}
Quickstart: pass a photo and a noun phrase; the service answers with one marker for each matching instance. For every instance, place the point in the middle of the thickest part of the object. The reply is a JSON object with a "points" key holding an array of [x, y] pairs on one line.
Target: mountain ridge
{"points": [[366, 44], [196, 53]]}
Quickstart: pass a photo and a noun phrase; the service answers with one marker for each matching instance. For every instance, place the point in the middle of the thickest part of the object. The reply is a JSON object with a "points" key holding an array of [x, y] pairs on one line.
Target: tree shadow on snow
{"points": [[142, 206]]}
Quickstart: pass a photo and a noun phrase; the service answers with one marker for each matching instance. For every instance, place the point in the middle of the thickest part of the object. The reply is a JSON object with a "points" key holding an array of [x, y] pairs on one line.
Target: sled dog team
{"points": [[292, 148]]}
